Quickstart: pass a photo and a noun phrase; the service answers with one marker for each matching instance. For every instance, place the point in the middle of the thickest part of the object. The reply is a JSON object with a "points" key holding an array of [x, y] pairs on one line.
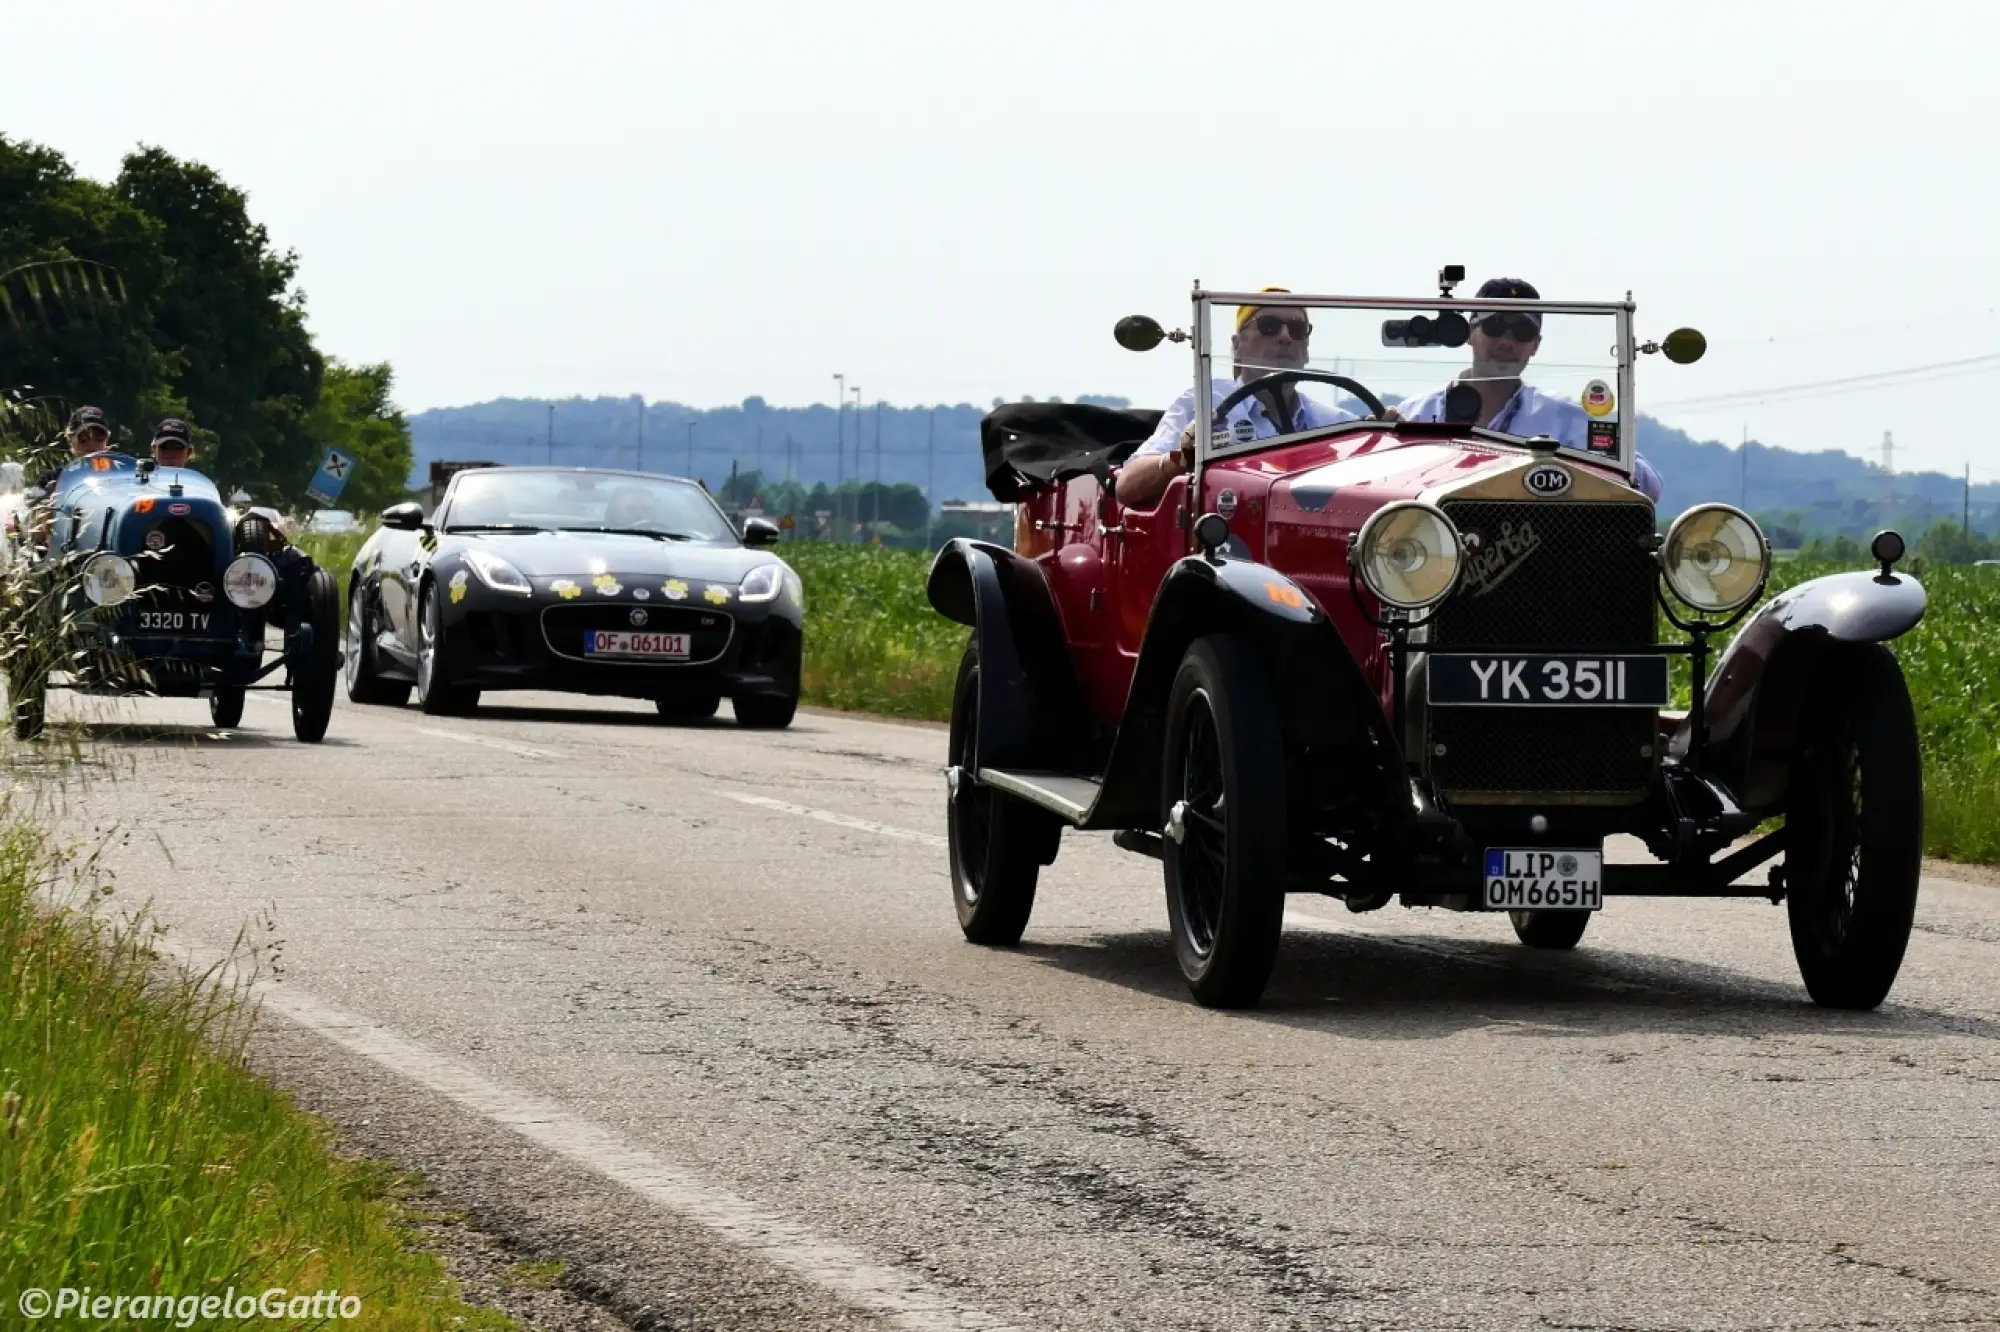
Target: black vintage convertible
{"points": [[580, 580]]}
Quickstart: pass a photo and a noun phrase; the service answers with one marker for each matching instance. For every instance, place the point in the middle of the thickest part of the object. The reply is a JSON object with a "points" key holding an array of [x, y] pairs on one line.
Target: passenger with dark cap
{"points": [[172, 446], [1503, 342], [87, 434]]}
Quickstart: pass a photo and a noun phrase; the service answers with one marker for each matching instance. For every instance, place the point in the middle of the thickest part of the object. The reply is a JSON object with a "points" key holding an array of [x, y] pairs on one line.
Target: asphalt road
{"points": [[688, 1009]]}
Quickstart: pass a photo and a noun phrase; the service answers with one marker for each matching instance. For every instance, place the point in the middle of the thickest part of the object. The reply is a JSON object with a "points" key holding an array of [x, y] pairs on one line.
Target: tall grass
{"points": [[873, 643], [139, 1156]]}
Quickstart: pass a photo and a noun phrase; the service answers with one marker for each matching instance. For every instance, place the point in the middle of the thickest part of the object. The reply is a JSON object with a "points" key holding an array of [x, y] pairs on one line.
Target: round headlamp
{"points": [[108, 579], [250, 581], [1408, 555], [1715, 558]]}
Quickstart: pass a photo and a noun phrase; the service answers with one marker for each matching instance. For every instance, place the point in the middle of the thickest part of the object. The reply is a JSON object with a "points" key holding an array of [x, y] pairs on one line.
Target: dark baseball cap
{"points": [[1510, 289], [173, 430], [85, 417]]}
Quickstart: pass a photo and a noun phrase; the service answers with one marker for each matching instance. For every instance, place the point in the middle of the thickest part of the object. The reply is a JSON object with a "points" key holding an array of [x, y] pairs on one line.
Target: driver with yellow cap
{"points": [[1268, 338]]}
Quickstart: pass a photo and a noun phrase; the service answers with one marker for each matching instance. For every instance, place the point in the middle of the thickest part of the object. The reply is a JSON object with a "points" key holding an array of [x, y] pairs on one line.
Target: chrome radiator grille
{"points": [[1556, 577]]}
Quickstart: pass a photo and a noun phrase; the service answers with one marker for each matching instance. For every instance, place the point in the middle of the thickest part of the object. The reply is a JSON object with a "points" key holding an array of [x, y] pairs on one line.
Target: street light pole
{"points": [[691, 475], [930, 478], [839, 433], [552, 434], [856, 391], [642, 433]]}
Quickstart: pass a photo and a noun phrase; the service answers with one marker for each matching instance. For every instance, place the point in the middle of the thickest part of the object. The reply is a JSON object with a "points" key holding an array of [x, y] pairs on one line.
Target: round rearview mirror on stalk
{"points": [[1138, 333], [1684, 346]]}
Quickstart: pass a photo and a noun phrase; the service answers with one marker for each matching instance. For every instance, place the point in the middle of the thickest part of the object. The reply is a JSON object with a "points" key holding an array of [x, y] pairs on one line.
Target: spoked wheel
{"points": [[317, 668], [998, 844], [1550, 929], [365, 683], [225, 707], [1854, 835], [1223, 798], [434, 696]]}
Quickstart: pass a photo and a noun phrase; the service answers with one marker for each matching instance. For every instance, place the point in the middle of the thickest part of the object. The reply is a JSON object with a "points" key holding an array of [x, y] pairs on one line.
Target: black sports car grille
{"points": [[1558, 576], [708, 630]]}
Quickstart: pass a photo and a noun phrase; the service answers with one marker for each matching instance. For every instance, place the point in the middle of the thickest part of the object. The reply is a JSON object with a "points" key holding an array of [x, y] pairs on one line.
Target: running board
{"points": [[1059, 793]]}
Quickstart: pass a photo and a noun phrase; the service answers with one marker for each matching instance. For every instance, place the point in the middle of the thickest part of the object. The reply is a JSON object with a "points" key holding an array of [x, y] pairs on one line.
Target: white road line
{"points": [[903, 1297], [525, 751], [838, 820]]}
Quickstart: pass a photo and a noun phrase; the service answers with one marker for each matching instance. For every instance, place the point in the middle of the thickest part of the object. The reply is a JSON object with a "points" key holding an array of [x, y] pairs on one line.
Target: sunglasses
{"points": [[1269, 325], [93, 432], [171, 446], [1519, 327]]}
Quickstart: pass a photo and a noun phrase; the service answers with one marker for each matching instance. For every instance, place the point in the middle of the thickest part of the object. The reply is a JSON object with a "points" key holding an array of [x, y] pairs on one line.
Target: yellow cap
{"points": [[1243, 312]]}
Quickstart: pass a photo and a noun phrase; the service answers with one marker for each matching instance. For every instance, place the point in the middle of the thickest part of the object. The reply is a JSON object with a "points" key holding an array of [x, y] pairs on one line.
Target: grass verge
{"points": [[873, 643], [140, 1157]]}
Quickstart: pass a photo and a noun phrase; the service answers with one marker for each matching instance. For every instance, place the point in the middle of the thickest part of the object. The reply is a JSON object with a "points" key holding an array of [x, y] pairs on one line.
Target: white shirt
{"points": [[1247, 419], [1533, 412]]}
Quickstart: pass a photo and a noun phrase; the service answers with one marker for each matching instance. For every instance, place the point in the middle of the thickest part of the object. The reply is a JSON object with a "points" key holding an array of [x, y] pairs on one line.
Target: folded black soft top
{"points": [[1032, 444]]}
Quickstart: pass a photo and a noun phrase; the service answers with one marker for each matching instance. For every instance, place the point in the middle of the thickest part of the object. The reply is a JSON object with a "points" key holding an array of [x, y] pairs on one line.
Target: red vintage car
{"points": [[1416, 652]]}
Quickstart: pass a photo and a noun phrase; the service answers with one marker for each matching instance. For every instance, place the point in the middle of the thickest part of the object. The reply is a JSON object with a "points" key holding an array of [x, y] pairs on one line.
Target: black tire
{"points": [[436, 697], [688, 709], [997, 844], [1222, 785], [1550, 929], [765, 712], [359, 670], [225, 707], [1854, 829], [29, 700], [317, 669]]}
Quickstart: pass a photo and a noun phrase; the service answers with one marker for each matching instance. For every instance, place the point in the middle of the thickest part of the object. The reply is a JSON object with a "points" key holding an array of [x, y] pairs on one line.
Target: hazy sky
{"points": [[952, 201]]}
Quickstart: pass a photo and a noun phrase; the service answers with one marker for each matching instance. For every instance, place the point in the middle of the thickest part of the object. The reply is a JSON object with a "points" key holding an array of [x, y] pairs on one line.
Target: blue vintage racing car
{"points": [[146, 583]]}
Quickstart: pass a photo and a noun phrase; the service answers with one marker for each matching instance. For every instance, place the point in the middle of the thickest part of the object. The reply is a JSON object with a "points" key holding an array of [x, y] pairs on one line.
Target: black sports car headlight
{"points": [[497, 573], [763, 583]]}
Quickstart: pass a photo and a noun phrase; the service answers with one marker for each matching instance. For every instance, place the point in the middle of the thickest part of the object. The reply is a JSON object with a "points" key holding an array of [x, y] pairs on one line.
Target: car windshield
{"points": [[505, 498], [1521, 374]]}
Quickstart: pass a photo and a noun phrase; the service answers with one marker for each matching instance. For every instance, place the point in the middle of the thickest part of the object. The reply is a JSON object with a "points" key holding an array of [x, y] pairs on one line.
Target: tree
{"points": [[224, 301], [355, 415]]}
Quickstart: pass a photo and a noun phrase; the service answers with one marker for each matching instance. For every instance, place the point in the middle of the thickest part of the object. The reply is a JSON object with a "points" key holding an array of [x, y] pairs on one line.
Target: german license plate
{"points": [[1460, 679], [1543, 878], [620, 643]]}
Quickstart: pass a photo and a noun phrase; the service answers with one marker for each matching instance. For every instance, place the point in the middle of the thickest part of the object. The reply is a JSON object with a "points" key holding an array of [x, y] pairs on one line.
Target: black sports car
{"points": [[577, 579]]}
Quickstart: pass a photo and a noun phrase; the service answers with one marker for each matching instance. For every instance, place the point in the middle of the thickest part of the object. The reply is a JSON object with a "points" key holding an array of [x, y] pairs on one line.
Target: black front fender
{"points": [[1323, 698], [1765, 676], [1032, 712]]}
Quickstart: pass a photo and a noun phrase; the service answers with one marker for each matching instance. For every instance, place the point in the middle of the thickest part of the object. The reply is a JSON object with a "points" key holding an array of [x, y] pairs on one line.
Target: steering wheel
{"points": [[1374, 404]]}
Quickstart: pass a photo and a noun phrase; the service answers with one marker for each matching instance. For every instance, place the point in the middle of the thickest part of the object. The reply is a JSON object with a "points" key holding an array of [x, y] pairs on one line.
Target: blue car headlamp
{"points": [[109, 579], [250, 582]]}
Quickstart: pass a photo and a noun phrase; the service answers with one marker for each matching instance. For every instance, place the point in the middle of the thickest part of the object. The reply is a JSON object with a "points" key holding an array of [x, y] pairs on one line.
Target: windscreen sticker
{"points": [[1598, 399], [1603, 440], [1243, 432]]}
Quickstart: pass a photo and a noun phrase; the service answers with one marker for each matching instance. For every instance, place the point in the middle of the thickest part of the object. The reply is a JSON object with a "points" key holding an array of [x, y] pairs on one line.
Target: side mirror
{"points": [[760, 532], [1684, 346], [405, 517], [1138, 333]]}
